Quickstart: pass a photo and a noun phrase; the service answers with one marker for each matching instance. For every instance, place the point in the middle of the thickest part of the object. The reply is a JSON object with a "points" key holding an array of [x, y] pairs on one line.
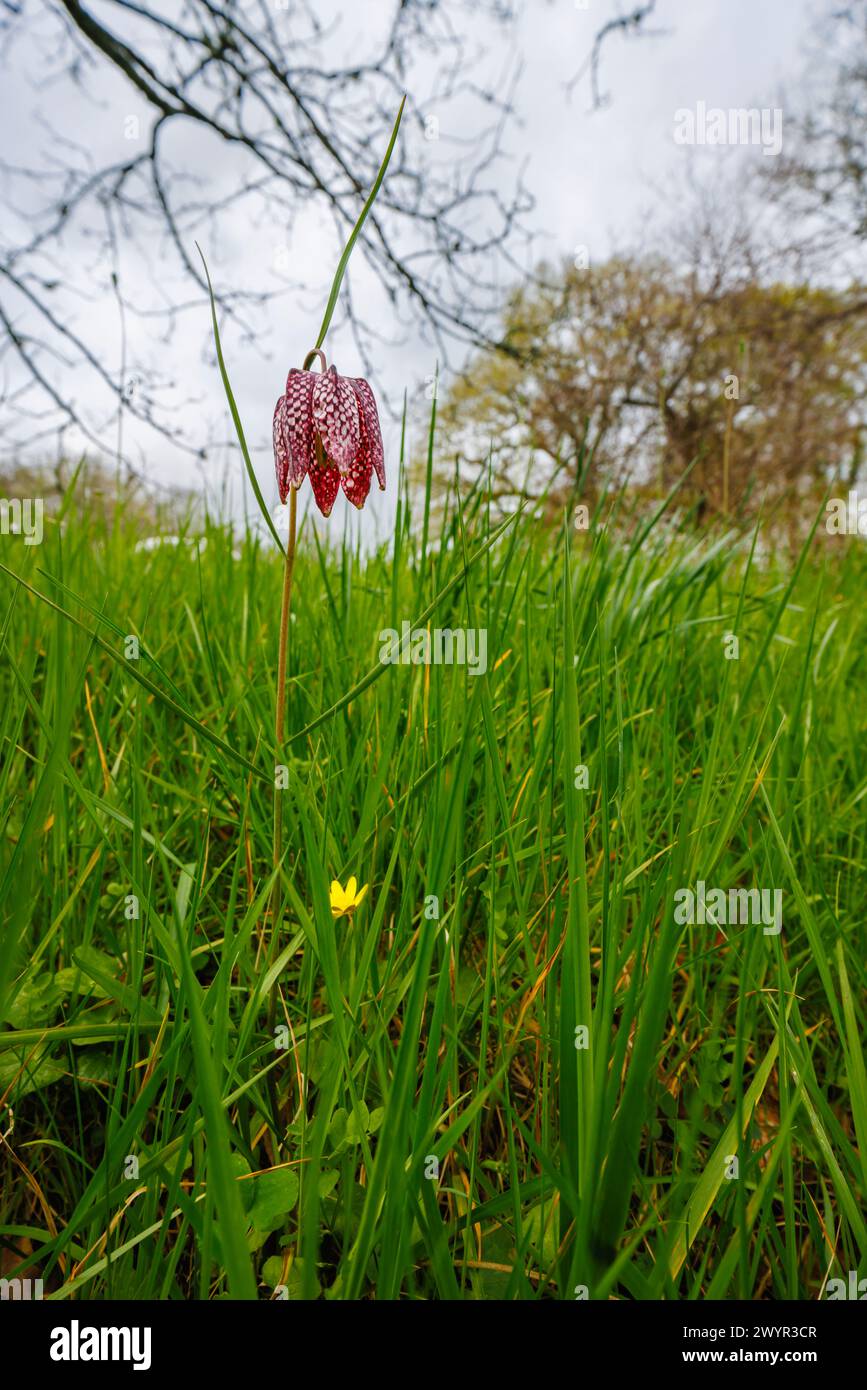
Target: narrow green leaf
{"points": [[236, 418], [347, 250]]}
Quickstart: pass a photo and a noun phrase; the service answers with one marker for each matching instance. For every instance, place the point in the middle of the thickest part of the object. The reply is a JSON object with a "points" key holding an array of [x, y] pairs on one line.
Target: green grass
{"points": [[507, 908]]}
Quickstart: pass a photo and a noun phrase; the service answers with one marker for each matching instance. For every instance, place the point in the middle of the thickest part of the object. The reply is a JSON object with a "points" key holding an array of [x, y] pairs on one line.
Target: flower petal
{"points": [[325, 483], [371, 435], [338, 897], [298, 424], [350, 889], [360, 896], [356, 483], [335, 413], [281, 449]]}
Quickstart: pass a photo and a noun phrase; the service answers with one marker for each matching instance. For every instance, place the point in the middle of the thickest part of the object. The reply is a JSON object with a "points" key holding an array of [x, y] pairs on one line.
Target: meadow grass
{"points": [[197, 1102]]}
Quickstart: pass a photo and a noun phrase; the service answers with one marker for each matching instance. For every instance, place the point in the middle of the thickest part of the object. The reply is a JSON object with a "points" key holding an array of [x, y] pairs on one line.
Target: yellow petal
{"points": [[338, 897], [360, 895], [350, 889]]}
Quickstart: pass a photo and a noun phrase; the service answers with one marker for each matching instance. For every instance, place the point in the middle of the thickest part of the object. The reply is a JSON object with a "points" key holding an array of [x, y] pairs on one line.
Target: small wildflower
{"points": [[327, 426], [345, 901]]}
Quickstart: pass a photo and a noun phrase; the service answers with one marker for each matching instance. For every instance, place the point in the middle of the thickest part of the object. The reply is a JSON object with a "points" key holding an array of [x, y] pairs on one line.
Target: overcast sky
{"points": [[594, 175]]}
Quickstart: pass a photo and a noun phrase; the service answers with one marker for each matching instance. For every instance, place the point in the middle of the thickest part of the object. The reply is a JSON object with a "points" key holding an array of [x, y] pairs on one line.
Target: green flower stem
{"points": [[279, 724], [280, 715], [280, 711]]}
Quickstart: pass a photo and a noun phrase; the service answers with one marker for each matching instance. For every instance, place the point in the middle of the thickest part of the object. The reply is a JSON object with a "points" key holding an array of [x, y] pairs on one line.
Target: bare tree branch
{"points": [[244, 110]]}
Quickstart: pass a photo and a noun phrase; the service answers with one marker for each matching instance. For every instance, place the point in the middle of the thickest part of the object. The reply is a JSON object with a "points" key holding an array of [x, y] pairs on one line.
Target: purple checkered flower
{"points": [[327, 426]]}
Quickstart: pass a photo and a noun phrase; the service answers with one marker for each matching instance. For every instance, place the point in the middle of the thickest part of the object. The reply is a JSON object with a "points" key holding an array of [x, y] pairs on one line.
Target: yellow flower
{"points": [[344, 902]]}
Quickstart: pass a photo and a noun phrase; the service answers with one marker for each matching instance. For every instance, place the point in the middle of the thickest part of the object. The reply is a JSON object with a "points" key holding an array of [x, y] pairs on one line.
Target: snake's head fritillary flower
{"points": [[327, 426], [344, 901]]}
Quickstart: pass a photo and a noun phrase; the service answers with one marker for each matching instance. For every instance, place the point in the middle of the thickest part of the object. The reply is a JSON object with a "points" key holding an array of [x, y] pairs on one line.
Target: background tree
{"points": [[633, 369], [821, 180], [735, 338], [251, 106]]}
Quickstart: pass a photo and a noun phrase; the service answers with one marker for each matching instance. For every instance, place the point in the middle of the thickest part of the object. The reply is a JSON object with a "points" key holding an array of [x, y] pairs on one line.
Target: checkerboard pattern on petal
{"points": [[326, 426]]}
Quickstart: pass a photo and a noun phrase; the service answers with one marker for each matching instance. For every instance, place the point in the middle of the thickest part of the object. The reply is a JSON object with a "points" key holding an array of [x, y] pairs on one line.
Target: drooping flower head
{"points": [[327, 426]]}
